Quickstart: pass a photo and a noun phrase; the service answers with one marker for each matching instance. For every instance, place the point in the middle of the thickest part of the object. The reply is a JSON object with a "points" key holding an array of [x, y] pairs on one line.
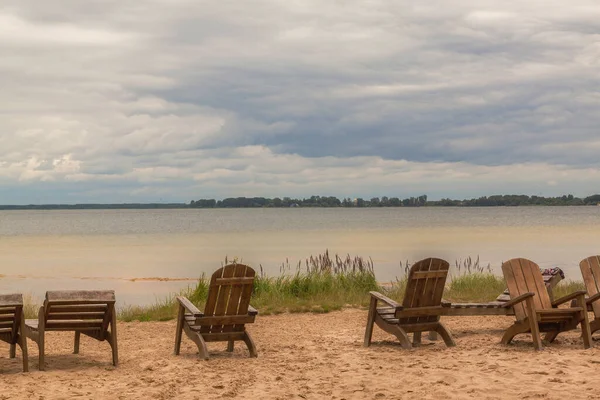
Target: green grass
{"points": [[474, 287], [322, 284]]}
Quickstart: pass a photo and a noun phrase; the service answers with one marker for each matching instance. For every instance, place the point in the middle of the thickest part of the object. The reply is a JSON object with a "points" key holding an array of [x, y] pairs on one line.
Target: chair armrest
{"points": [[252, 310], [517, 300], [385, 299], [192, 309], [593, 298], [568, 297]]}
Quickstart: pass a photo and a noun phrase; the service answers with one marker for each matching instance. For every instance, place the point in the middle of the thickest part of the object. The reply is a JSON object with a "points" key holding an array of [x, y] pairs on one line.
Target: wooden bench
{"points": [[89, 312], [226, 313], [12, 325]]}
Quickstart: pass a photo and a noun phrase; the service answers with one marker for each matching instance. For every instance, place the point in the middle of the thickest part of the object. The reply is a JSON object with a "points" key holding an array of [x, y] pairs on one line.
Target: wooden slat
{"points": [[234, 280], [480, 311], [509, 269], [412, 297], [426, 296], [213, 295], [424, 312], [77, 308], [80, 296], [220, 336], [6, 330], [73, 324], [75, 316], [234, 296], [439, 285], [14, 299], [535, 283], [227, 320], [432, 274], [245, 296], [7, 310], [223, 298], [7, 317]]}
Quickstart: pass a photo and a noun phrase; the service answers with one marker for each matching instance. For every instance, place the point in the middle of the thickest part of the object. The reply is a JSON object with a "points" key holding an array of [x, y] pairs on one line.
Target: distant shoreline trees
{"points": [[420, 201], [331, 202]]}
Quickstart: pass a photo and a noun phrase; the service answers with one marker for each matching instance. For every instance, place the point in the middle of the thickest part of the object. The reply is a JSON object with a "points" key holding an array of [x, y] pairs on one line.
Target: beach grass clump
{"points": [[320, 284], [31, 306], [474, 287]]}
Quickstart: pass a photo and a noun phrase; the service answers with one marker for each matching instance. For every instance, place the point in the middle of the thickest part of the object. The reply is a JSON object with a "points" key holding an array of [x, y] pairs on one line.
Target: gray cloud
{"points": [[184, 99]]}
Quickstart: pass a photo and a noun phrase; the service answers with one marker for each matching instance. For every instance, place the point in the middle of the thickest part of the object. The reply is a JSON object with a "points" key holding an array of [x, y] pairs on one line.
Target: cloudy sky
{"points": [[173, 100]]}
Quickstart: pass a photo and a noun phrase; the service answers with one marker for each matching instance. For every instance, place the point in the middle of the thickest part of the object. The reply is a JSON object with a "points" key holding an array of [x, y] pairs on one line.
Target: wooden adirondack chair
{"points": [[12, 325], [88, 312], [534, 311], [226, 312], [590, 269], [421, 309]]}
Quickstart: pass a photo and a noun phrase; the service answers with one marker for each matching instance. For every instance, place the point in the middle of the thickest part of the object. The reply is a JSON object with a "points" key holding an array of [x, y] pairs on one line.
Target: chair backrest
{"points": [[524, 276], [590, 269], [425, 287], [229, 296], [80, 310], [11, 312]]}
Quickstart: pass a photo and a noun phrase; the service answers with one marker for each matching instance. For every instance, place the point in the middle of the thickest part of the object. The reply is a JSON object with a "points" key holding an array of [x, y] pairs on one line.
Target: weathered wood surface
{"points": [[534, 311], [89, 312], [12, 326], [590, 270], [226, 311], [421, 307]]}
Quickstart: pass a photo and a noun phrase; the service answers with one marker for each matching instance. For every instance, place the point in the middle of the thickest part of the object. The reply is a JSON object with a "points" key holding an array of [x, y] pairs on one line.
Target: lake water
{"points": [[147, 254]]}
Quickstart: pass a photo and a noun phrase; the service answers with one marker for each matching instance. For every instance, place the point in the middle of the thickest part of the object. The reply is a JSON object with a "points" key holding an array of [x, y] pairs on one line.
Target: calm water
{"points": [[145, 254]]}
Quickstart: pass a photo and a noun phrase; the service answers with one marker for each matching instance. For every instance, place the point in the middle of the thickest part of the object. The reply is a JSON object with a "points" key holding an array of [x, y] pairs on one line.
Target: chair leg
{"points": [[76, 344], [586, 331], [23, 345], [370, 322], [533, 324], [416, 338], [250, 343], [41, 349], [12, 353], [179, 329], [514, 330], [113, 338], [197, 338], [230, 346], [446, 335], [402, 337]]}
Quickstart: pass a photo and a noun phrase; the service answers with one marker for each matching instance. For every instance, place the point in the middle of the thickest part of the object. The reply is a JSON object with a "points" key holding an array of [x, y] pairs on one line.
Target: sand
{"points": [[309, 356]]}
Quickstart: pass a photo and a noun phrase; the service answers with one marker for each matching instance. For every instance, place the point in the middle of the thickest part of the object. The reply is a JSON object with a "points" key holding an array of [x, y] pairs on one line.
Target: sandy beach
{"points": [[309, 356]]}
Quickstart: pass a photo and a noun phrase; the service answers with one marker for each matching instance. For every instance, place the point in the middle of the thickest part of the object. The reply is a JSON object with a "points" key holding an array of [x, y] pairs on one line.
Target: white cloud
{"points": [[180, 99]]}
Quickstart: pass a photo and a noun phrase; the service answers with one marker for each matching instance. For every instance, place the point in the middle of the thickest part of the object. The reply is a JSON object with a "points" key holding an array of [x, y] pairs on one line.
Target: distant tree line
{"points": [[420, 201], [313, 201], [519, 200], [126, 206], [331, 201]]}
